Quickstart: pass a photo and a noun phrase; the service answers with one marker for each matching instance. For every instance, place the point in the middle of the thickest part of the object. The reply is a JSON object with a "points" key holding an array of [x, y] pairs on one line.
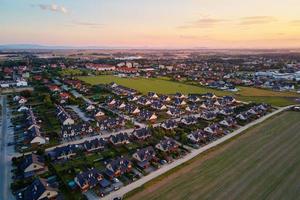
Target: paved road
{"points": [[193, 154], [5, 163]]}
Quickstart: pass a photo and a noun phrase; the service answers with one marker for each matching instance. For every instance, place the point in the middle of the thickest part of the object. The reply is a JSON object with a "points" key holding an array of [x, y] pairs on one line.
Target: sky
{"points": [[152, 23]]}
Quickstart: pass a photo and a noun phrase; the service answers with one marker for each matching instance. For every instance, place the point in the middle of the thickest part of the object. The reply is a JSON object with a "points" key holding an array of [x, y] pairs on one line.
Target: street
{"points": [[5, 153]]}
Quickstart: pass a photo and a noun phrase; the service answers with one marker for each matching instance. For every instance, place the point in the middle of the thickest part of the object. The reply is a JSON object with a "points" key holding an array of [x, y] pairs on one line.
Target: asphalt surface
{"points": [[5, 163]]}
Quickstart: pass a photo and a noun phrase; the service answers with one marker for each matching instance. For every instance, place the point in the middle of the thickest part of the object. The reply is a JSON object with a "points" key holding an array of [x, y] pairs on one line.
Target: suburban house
{"points": [[243, 116], [131, 109], [157, 105], [112, 123], [167, 145], [180, 95], [174, 112], [94, 145], [153, 95], [144, 156], [32, 164], [209, 96], [88, 179], [90, 108], [144, 101], [164, 98], [226, 111], [120, 138], [192, 108], [198, 136], [98, 114], [193, 98], [117, 167], [63, 152], [179, 102], [169, 125], [69, 131], [40, 189], [189, 120], [132, 98], [214, 129], [228, 122], [148, 116], [208, 115], [63, 116], [33, 134], [142, 133]]}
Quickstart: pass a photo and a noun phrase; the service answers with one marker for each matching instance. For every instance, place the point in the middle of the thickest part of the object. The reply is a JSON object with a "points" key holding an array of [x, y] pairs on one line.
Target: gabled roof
{"points": [[36, 189], [30, 159]]}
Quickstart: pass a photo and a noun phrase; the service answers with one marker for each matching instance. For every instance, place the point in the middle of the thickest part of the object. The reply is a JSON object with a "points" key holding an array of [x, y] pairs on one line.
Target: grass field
{"points": [[263, 163], [163, 86]]}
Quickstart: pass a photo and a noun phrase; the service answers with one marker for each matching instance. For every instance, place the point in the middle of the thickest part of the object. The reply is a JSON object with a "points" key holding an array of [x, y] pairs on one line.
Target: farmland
{"points": [[263, 163], [163, 86]]}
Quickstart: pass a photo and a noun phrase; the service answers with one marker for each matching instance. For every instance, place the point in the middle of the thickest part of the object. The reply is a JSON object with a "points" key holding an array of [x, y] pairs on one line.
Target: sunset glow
{"points": [[156, 23]]}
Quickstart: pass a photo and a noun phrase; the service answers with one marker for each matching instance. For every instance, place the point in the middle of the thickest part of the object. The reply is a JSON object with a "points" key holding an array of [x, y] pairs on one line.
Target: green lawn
{"points": [[264, 163], [164, 86], [145, 85]]}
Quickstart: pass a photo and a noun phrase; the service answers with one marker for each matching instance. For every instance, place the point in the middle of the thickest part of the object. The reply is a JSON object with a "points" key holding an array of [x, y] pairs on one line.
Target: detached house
{"points": [[69, 131], [192, 108], [144, 157], [153, 95], [88, 179], [228, 122], [63, 116], [164, 98], [131, 109], [189, 120], [179, 102], [193, 98], [132, 98], [142, 133], [40, 189], [144, 101], [63, 152], [32, 164], [198, 136], [94, 145], [174, 112], [118, 139], [208, 115], [226, 111], [33, 134], [158, 105], [209, 96], [214, 129], [243, 116], [169, 125], [180, 95], [118, 167], [148, 116], [167, 145]]}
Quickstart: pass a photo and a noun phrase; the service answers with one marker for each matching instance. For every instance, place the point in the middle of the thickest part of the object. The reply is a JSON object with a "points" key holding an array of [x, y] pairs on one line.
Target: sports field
{"points": [[263, 163], [163, 86]]}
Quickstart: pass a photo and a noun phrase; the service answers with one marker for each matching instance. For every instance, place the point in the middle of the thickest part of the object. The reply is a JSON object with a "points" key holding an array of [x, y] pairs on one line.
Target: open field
{"points": [[145, 85], [263, 163], [163, 86]]}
